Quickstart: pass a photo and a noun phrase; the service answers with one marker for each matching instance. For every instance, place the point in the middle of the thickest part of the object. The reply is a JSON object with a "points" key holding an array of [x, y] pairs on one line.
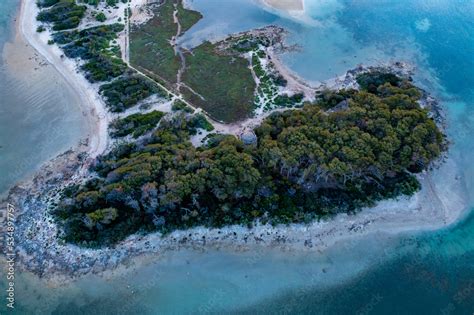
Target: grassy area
{"points": [[224, 82], [187, 18], [150, 47]]}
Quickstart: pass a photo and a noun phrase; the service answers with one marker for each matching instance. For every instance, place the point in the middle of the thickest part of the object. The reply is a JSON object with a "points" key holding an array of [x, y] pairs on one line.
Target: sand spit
{"points": [[285, 5], [94, 108]]}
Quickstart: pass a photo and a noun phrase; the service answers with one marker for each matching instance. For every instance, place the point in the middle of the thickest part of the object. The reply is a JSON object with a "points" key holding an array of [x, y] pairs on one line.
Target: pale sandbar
{"points": [[286, 5]]}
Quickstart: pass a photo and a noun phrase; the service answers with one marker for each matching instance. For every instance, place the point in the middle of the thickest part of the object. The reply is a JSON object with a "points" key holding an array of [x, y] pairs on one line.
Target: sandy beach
{"points": [[94, 108], [440, 202]]}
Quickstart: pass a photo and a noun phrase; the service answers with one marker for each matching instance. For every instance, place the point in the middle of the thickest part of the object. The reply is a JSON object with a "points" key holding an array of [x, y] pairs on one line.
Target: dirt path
{"points": [[177, 49], [126, 44]]}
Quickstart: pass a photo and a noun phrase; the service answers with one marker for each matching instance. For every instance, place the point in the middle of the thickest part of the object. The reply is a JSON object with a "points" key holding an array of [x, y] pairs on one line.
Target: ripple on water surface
{"points": [[40, 114]]}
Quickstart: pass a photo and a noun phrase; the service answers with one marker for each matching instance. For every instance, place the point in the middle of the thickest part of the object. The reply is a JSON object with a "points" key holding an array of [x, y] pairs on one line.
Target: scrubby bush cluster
{"points": [[100, 17], [179, 105], [135, 125], [288, 101], [199, 121], [307, 163], [102, 60], [127, 91], [93, 46], [63, 14]]}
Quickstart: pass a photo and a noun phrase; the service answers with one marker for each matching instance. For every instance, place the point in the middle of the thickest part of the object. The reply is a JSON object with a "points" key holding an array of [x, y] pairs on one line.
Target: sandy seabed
{"points": [[286, 5]]}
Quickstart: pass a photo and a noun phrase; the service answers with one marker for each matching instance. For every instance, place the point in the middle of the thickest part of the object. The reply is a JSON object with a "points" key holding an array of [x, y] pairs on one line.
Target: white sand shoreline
{"points": [[439, 204], [94, 108]]}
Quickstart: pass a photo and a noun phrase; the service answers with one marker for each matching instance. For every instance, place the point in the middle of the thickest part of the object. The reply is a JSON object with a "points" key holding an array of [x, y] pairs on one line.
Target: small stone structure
{"points": [[248, 137]]}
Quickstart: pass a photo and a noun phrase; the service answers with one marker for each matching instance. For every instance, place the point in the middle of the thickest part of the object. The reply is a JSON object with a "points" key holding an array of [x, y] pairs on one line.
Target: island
{"points": [[220, 144]]}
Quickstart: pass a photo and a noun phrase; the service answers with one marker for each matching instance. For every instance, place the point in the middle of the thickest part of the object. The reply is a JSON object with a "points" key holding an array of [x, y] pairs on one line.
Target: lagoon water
{"points": [[417, 273]]}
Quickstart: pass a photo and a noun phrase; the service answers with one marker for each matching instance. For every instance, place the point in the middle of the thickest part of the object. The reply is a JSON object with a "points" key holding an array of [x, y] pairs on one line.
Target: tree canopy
{"points": [[324, 158]]}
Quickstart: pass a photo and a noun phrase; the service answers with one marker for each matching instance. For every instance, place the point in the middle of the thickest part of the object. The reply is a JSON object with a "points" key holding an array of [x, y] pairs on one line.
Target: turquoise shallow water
{"points": [[39, 114], [424, 274], [419, 273]]}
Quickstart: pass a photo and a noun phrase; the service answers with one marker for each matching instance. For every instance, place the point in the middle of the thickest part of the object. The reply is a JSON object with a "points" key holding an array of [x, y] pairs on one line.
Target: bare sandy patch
{"points": [[286, 5]]}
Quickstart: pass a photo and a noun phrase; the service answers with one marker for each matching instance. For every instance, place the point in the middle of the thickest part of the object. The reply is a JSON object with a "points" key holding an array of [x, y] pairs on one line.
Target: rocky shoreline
{"points": [[41, 251]]}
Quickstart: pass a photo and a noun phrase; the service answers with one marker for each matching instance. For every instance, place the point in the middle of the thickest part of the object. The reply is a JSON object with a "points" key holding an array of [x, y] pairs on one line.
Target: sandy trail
{"points": [[178, 51]]}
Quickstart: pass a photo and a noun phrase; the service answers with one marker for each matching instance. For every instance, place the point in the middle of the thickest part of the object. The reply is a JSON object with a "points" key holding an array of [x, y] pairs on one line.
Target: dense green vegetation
{"points": [[180, 105], [308, 163], [63, 14], [371, 81], [199, 121], [100, 17], [127, 91], [136, 124], [224, 84], [103, 61]]}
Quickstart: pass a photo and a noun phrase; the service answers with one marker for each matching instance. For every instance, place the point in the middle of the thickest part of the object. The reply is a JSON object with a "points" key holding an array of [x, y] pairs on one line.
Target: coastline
{"points": [[44, 255], [427, 210], [93, 107]]}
